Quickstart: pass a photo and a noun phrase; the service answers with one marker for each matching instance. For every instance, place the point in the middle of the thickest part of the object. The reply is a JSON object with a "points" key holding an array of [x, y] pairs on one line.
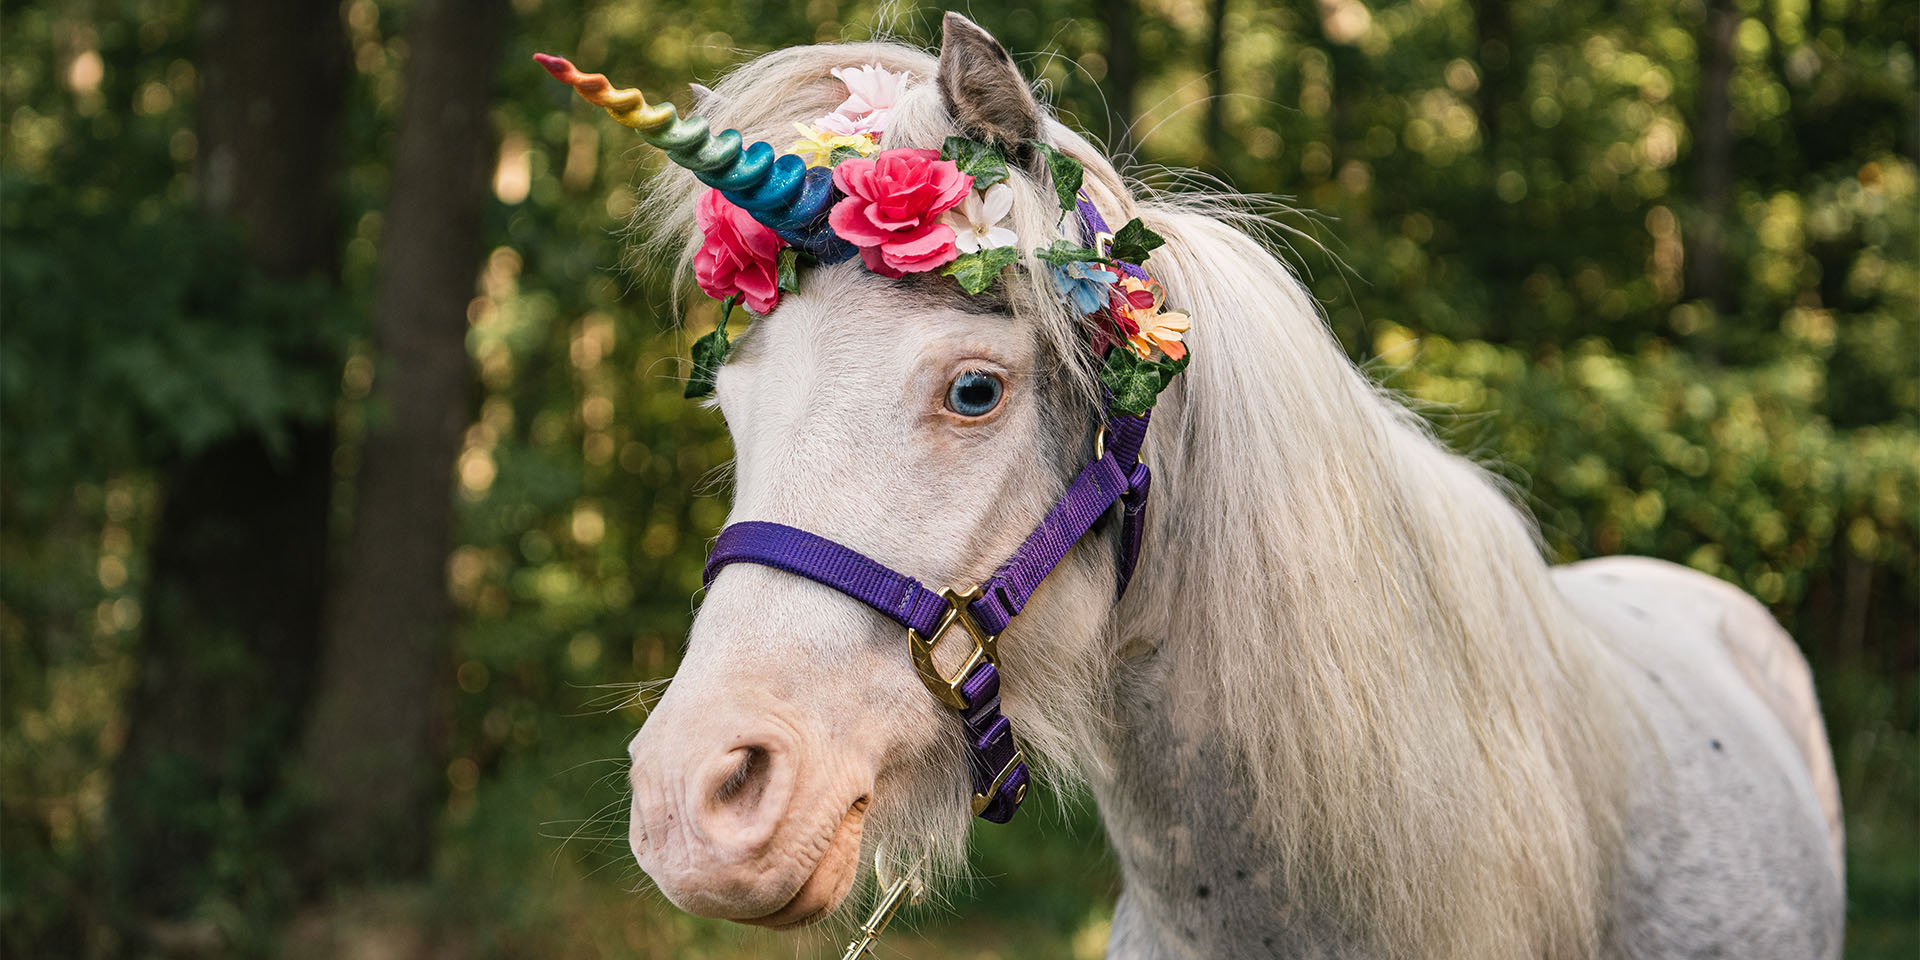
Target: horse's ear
{"points": [[704, 99], [983, 90]]}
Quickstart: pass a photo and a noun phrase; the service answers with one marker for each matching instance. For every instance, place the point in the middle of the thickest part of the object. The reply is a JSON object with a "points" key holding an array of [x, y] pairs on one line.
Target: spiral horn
{"points": [[780, 192]]}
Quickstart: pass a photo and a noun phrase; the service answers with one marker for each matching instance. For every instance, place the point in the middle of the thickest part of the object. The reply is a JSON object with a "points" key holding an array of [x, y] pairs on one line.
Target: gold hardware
{"points": [[981, 800], [1102, 241], [944, 688], [897, 894]]}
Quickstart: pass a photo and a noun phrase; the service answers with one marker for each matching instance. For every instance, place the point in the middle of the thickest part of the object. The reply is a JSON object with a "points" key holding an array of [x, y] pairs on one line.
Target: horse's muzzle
{"points": [[741, 816]]}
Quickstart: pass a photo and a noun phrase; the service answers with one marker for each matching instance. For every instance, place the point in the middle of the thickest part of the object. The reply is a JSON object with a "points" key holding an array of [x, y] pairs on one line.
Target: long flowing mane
{"points": [[1364, 616], [1435, 739]]}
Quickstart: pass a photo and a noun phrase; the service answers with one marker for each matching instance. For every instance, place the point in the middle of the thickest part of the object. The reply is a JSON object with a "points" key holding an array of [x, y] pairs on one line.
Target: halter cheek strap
{"points": [[1116, 474], [998, 768]]}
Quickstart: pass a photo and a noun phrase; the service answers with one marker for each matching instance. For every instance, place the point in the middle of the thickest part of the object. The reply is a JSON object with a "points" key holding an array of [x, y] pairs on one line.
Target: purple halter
{"points": [[1117, 474]]}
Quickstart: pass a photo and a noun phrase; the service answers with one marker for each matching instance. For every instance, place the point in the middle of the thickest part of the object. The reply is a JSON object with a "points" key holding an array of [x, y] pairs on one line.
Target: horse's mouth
{"points": [[831, 879]]}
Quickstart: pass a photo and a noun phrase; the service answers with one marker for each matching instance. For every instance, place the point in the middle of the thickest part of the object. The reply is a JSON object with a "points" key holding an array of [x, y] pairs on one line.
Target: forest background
{"points": [[346, 488]]}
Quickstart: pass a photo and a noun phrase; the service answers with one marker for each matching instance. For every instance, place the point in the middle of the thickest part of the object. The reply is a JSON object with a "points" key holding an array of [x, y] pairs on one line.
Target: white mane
{"points": [[1362, 614]]}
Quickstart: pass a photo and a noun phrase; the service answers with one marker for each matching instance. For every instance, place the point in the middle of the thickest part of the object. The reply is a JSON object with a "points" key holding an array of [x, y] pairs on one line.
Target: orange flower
{"points": [[1140, 301]]}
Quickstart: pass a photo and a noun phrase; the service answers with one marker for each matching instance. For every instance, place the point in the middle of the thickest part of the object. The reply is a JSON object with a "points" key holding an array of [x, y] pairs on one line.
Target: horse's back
{"points": [[1733, 843]]}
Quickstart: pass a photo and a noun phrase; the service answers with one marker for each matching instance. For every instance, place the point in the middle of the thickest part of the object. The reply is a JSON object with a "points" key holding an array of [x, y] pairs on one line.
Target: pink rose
{"points": [[737, 254], [893, 207]]}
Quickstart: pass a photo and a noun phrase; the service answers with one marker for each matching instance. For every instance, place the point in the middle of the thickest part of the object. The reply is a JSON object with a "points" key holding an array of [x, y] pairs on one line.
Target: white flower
{"points": [[976, 221]]}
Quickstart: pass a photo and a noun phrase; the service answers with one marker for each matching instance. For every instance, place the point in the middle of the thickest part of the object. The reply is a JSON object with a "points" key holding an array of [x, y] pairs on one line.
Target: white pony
{"points": [[1344, 710]]}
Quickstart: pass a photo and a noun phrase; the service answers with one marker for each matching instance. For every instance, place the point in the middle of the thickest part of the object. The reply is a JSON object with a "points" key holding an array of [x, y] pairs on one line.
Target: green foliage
{"points": [[978, 270], [789, 272], [1135, 384], [1062, 252], [1729, 471], [1133, 242], [1067, 173], [986, 164], [709, 352], [136, 340]]}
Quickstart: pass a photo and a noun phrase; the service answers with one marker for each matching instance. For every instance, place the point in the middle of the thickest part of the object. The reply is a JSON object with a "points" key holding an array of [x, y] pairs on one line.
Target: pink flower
{"points": [[893, 207], [868, 125], [872, 91], [737, 254]]}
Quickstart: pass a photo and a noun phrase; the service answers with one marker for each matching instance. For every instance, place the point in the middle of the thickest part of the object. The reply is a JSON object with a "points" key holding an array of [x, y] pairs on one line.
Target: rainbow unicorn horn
{"points": [[780, 192]]}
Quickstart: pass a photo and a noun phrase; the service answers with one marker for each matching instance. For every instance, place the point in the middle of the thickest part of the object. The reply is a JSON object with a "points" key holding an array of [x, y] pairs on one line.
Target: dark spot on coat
{"points": [[1714, 744], [1239, 874], [1201, 891]]}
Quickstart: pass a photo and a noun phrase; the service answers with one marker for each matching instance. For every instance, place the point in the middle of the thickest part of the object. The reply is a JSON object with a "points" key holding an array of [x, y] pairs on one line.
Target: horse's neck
{"points": [[1233, 845], [1200, 879]]}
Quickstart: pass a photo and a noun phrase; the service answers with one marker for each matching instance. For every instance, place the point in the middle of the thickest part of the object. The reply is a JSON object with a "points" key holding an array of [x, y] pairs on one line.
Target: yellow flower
{"points": [[1140, 300], [817, 145]]}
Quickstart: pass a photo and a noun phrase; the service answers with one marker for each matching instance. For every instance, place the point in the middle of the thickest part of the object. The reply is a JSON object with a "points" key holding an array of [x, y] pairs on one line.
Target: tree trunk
{"points": [[1495, 57], [1506, 252], [1217, 79], [1713, 162], [372, 756], [1123, 73], [1346, 65], [233, 606]]}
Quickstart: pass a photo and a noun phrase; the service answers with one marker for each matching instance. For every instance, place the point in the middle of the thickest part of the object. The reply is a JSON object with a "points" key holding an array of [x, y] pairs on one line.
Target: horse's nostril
{"points": [[744, 786]]}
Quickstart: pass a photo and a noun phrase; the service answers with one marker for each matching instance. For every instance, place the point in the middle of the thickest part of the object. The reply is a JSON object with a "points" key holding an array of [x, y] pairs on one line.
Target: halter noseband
{"points": [[1117, 473]]}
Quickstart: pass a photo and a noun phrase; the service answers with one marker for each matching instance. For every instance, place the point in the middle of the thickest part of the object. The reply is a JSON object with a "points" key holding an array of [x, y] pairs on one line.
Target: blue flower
{"points": [[1084, 283]]}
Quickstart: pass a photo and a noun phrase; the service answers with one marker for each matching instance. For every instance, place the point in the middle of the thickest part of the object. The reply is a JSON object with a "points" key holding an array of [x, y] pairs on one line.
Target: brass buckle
{"points": [[982, 800], [944, 688]]}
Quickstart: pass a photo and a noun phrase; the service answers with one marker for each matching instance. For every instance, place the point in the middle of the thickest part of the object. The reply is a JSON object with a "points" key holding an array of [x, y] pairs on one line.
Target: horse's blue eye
{"points": [[974, 393]]}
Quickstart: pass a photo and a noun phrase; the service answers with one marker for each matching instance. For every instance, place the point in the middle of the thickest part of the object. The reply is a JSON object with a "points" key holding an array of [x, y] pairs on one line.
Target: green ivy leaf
{"points": [[977, 271], [789, 270], [843, 153], [1063, 252], [1135, 383], [987, 164], [1067, 175], [709, 352], [1169, 368], [1132, 243]]}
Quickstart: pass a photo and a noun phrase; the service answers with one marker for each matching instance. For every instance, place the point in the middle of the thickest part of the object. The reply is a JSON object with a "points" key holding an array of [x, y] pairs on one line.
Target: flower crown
{"points": [[835, 194]]}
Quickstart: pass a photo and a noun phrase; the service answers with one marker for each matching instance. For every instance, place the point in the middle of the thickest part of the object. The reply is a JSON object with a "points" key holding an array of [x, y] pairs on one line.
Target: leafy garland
{"points": [[1133, 374]]}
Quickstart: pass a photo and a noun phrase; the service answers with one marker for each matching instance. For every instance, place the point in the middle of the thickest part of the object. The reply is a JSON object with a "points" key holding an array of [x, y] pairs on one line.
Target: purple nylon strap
{"points": [[816, 558], [1118, 475], [991, 747], [1100, 484]]}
